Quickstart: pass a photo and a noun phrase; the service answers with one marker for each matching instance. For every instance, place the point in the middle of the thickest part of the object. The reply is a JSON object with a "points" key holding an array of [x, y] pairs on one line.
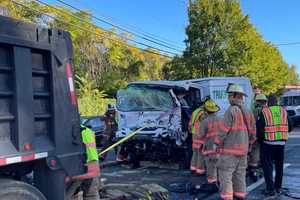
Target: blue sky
{"points": [[276, 20]]}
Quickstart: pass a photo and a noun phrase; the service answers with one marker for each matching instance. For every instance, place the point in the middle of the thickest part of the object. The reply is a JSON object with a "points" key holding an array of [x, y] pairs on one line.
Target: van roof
{"points": [[164, 83], [183, 84], [291, 93], [216, 78]]}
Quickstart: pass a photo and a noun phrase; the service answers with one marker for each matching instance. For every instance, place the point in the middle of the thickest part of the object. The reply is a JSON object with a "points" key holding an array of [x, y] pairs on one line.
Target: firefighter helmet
{"points": [[235, 88], [211, 106], [261, 97]]}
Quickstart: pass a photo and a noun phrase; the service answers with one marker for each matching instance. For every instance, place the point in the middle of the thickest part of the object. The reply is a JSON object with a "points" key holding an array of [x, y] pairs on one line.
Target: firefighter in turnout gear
{"points": [[272, 134], [260, 103], [209, 134], [197, 162], [238, 131], [111, 127]]}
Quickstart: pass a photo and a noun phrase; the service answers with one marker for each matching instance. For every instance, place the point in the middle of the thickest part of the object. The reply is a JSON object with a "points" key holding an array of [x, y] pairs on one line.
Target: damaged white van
{"points": [[165, 107]]}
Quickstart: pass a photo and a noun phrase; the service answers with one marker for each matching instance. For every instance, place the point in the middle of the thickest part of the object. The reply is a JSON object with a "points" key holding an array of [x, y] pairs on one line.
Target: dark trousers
{"points": [[272, 155]]}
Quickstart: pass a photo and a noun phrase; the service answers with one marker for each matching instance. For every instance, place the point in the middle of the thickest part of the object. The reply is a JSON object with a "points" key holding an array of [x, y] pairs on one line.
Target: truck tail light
{"points": [[71, 84]]}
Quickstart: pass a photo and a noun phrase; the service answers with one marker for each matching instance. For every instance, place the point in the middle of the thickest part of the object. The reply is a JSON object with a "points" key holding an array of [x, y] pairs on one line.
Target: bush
{"points": [[91, 101]]}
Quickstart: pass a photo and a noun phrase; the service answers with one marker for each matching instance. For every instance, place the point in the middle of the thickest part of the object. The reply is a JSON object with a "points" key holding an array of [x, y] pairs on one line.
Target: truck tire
{"points": [[16, 190]]}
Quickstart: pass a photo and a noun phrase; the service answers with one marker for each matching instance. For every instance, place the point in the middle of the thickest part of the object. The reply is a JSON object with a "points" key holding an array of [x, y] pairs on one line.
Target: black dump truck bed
{"points": [[39, 120]]}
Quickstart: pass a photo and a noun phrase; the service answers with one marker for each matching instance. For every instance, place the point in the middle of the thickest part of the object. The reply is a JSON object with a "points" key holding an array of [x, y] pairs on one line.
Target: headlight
{"points": [[298, 110]]}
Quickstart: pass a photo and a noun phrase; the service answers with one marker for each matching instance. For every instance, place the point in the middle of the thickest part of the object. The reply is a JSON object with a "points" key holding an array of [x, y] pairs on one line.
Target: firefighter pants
{"points": [[197, 163], [254, 155], [211, 167], [232, 176]]}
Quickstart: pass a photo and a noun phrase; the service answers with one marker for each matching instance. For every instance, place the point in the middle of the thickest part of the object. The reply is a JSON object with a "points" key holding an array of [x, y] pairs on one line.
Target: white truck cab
{"points": [[291, 101], [166, 106]]}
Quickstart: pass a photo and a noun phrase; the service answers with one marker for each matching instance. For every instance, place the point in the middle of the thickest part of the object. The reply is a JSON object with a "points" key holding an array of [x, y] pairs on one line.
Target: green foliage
{"points": [[102, 60], [221, 41], [293, 76], [91, 101]]}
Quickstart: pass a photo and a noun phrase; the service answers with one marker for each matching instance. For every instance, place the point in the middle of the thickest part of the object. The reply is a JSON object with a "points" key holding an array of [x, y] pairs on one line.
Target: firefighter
{"points": [[260, 103], [238, 130], [197, 162], [209, 133], [90, 187], [111, 127], [272, 134]]}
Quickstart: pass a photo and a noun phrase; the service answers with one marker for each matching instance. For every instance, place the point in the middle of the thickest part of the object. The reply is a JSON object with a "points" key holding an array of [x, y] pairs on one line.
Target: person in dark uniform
{"points": [[272, 134]]}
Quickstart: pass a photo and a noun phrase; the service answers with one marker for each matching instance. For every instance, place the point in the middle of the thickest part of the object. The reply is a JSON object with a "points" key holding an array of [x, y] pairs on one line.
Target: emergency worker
{"points": [[197, 162], [111, 127], [90, 187], [272, 134], [209, 134], [260, 103], [238, 130]]}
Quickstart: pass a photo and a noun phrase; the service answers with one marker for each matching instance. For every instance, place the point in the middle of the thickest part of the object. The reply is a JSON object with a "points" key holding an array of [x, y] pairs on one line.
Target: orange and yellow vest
{"points": [[276, 123]]}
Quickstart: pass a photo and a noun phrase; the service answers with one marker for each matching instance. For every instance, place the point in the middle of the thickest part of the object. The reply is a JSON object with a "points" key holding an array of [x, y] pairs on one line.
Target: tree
{"points": [[214, 32], [293, 76], [99, 55], [221, 41]]}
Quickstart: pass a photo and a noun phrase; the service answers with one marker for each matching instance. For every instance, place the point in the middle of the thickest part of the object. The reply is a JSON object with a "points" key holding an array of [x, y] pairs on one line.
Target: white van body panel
{"points": [[215, 87], [291, 101]]}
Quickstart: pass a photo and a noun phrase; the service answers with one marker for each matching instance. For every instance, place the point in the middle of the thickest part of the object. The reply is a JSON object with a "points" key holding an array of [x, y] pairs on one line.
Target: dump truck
{"points": [[41, 151]]}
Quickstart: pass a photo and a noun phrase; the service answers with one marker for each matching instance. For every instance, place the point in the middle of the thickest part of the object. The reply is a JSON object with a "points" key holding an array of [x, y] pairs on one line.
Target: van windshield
{"points": [[144, 98], [290, 101]]}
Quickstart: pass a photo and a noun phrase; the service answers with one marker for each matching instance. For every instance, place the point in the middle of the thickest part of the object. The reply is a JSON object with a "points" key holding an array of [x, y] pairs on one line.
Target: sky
{"points": [[276, 20]]}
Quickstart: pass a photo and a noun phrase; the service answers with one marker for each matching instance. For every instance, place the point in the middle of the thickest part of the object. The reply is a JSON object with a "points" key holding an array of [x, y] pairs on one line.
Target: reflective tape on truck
{"points": [[71, 84], [23, 158]]}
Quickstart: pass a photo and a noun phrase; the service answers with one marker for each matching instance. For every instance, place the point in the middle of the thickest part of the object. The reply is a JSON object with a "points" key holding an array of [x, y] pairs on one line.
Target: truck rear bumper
{"points": [[93, 170]]}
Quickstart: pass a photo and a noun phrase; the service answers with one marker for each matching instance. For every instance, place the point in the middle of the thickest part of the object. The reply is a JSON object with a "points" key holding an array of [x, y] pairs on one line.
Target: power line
{"points": [[90, 31], [132, 40], [142, 36], [148, 46], [288, 44], [140, 31]]}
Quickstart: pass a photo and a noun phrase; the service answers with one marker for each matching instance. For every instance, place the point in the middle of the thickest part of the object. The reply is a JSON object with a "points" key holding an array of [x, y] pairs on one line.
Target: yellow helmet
{"points": [[211, 106]]}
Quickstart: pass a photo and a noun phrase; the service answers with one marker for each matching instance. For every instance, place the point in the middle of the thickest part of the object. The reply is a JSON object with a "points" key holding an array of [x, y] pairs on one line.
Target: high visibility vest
{"points": [[88, 138], [194, 123], [276, 123]]}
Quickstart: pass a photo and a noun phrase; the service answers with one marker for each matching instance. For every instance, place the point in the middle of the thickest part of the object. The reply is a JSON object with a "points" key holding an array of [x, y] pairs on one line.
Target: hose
{"points": [[122, 140]]}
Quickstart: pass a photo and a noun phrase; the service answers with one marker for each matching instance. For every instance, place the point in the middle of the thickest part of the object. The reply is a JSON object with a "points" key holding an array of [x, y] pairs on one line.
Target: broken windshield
{"points": [[144, 99]]}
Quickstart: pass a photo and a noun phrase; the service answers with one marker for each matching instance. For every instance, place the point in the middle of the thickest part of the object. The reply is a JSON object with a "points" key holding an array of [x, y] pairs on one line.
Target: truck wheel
{"points": [[16, 190]]}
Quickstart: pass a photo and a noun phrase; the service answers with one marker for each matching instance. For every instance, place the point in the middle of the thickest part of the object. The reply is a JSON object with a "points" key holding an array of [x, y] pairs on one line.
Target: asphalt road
{"points": [[291, 180], [165, 176]]}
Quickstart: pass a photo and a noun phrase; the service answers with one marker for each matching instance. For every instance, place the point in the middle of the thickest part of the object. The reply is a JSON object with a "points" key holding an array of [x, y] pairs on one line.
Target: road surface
{"points": [[174, 183]]}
